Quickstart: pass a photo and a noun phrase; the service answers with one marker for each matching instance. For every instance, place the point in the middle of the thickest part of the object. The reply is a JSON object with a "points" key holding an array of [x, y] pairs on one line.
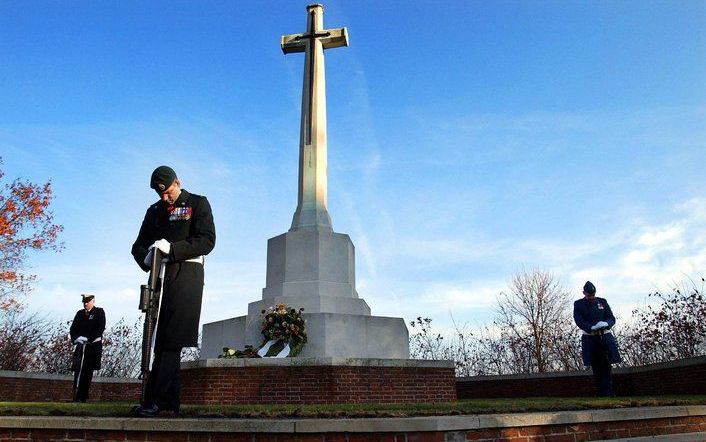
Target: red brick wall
{"points": [[513, 386], [317, 385], [354, 384], [59, 388], [547, 433], [678, 377], [675, 380]]}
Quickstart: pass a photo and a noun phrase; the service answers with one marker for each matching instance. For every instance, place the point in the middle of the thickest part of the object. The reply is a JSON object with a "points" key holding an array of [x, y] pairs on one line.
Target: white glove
{"points": [[148, 258], [599, 325], [163, 245], [81, 340]]}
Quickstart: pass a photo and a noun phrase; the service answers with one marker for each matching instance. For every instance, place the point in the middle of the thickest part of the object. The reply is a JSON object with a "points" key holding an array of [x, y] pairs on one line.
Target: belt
{"points": [[98, 339], [198, 259], [597, 333]]}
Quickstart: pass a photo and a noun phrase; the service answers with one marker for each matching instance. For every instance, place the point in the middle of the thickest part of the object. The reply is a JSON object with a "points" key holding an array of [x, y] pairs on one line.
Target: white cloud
{"points": [[661, 235], [638, 259], [651, 257], [449, 297]]}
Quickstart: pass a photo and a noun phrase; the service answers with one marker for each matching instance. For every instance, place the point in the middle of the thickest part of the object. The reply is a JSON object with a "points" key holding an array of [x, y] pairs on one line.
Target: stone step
{"points": [[681, 437]]}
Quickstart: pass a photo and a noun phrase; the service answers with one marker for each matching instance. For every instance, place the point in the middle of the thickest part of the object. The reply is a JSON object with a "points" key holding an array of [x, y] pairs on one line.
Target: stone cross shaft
{"points": [[311, 213]]}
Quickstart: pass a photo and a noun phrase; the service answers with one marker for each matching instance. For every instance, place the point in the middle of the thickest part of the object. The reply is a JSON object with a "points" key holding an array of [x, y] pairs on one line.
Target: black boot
{"points": [[147, 411]]}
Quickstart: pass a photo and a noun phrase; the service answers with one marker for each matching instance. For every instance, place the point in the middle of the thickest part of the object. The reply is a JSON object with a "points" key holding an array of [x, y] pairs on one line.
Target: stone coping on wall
{"points": [[310, 362], [63, 377], [686, 362], [279, 362], [251, 362], [362, 425], [699, 360]]}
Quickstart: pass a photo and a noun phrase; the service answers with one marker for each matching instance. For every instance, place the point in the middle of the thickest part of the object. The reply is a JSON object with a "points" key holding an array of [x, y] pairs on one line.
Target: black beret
{"points": [[589, 288], [85, 297], [162, 178]]}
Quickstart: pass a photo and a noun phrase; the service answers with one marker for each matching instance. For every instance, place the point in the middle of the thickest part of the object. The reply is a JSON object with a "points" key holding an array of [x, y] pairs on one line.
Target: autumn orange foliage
{"points": [[26, 224]]}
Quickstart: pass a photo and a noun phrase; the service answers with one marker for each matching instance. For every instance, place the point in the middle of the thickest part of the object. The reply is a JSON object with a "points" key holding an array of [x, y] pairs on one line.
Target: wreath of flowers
{"points": [[286, 324]]}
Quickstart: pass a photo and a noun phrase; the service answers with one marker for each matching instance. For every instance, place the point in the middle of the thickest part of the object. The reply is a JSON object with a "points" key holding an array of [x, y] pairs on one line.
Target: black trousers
{"points": [[602, 370], [164, 383], [82, 382]]}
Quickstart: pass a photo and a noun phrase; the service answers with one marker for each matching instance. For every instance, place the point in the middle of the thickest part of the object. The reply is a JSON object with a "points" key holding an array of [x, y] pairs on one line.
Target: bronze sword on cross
{"points": [[308, 43]]}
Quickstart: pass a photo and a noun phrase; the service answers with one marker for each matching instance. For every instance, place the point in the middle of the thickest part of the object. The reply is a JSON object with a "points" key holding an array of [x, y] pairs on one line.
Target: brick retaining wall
{"points": [[292, 381], [44, 387], [318, 381], [264, 381], [548, 427], [685, 376]]}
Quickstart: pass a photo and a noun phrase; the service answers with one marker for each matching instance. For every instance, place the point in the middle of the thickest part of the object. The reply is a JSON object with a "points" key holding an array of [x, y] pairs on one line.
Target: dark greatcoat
{"points": [[91, 325], [188, 226], [586, 315]]}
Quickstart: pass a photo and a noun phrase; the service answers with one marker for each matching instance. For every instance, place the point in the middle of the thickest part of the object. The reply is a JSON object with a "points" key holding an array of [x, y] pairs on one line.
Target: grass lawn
{"points": [[468, 406]]}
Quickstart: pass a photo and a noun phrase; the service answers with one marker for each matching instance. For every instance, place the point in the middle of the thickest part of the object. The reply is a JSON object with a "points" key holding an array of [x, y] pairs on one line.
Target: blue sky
{"points": [[467, 141]]}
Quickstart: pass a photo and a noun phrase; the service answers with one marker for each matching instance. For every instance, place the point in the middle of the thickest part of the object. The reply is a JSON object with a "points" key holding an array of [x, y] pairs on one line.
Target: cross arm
{"points": [[293, 43], [335, 39], [330, 38]]}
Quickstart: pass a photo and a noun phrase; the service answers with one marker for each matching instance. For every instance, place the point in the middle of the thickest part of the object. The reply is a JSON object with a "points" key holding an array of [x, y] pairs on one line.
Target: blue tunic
{"points": [[586, 315]]}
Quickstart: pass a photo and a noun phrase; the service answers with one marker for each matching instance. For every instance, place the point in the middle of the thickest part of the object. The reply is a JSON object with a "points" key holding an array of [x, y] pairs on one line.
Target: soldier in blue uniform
{"points": [[598, 346], [86, 332], [181, 226]]}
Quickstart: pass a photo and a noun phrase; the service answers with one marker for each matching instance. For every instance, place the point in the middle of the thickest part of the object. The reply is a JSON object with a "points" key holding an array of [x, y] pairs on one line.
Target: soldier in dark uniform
{"points": [[86, 332], [181, 226], [598, 346]]}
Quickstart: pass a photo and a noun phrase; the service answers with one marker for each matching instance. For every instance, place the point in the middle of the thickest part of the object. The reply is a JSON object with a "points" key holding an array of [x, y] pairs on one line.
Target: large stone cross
{"points": [[311, 266], [311, 213]]}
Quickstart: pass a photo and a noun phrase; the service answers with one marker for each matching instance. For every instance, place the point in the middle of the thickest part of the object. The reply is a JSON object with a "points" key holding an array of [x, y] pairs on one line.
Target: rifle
{"points": [[80, 370], [149, 305]]}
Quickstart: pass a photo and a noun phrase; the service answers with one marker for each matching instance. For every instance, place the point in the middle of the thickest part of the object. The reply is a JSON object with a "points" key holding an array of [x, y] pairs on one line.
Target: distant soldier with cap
{"points": [[86, 332], [598, 346], [181, 226]]}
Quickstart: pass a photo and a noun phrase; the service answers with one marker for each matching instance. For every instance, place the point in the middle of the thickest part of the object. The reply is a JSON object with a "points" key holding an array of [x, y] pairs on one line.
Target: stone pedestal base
{"points": [[314, 270], [310, 263], [316, 381], [329, 335], [313, 304]]}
